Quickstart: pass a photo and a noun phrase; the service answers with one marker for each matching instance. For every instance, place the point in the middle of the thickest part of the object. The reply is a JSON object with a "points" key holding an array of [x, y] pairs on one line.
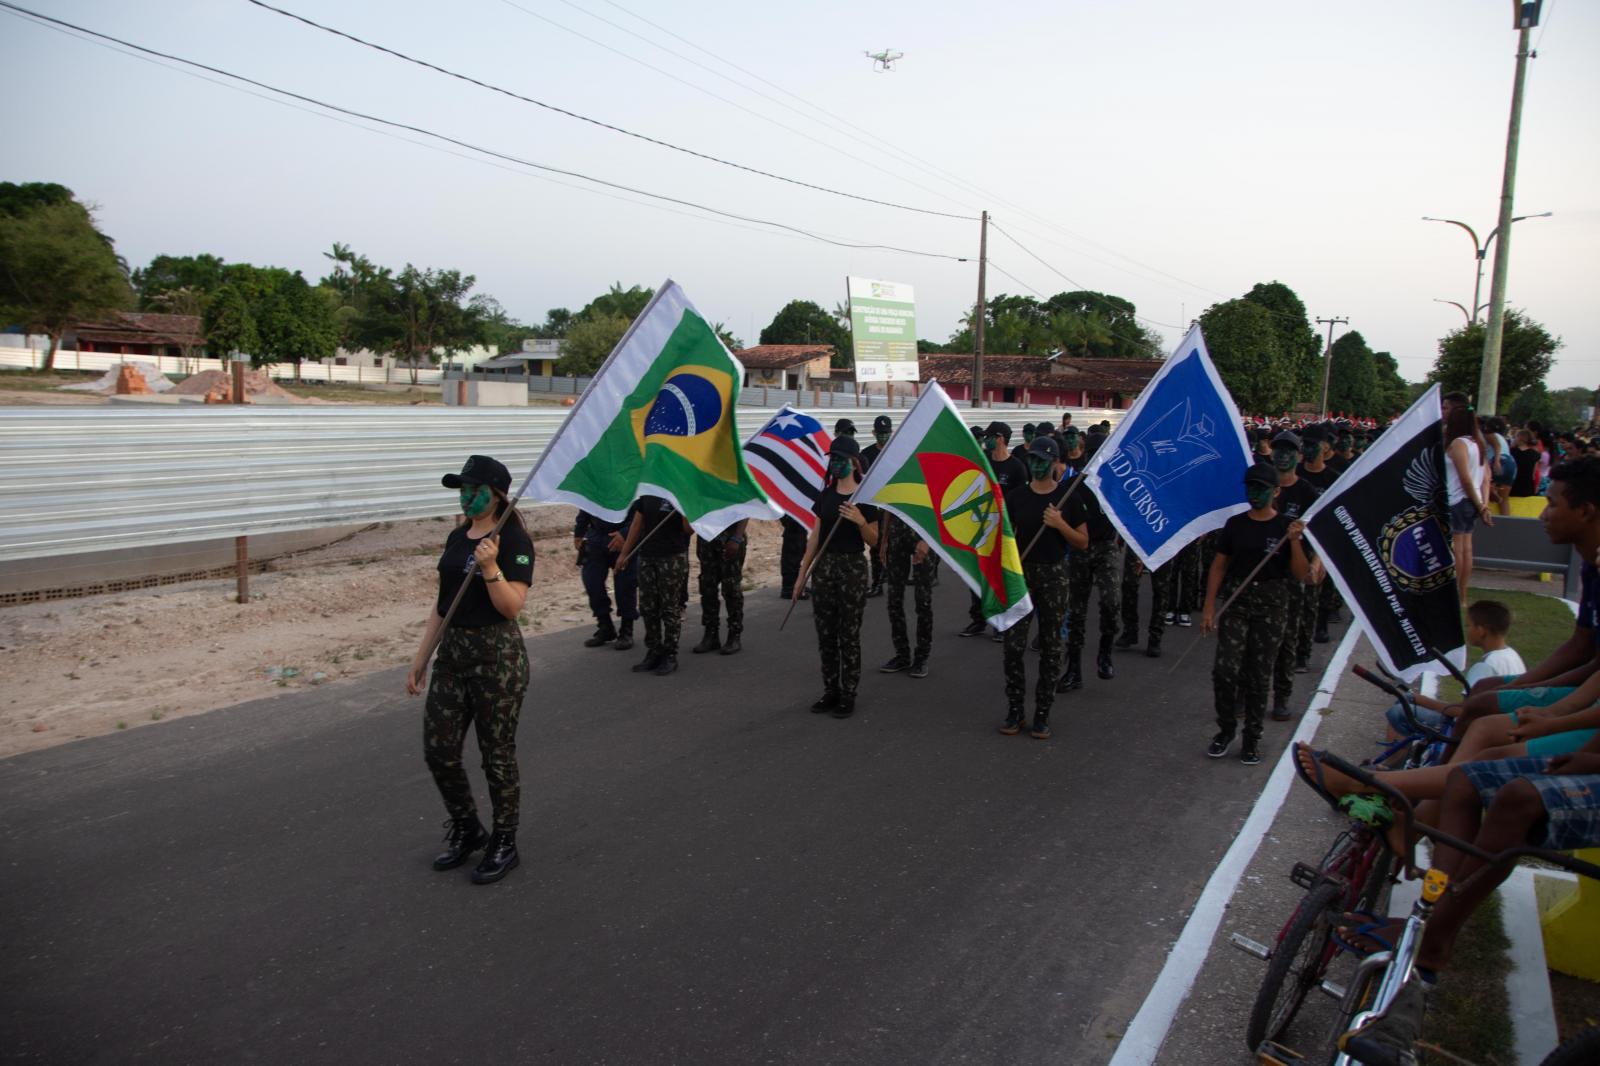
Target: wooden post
{"points": [[857, 384], [888, 393], [764, 396], [238, 381], [241, 564]]}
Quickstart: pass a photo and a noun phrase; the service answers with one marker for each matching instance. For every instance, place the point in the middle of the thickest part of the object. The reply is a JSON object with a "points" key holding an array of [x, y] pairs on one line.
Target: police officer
{"points": [[839, 578], [663, 572], [1295, 497], [721, 570], [597, 542], [882, 430], [1250, 631], [1037, 510], [1098, 565], [481, 672]]}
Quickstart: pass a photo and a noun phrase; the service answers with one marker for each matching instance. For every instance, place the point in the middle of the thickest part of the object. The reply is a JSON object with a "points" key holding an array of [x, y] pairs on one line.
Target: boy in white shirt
{"points": [[1488, 622]]}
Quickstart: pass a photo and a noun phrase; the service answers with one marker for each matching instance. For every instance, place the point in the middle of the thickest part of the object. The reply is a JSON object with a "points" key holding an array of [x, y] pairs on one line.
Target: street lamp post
{"points": [[1480, 252], [1457, 306]]}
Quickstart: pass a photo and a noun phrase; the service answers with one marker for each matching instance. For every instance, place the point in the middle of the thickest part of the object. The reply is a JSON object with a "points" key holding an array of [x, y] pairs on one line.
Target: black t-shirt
{"points": [[848, 538], [1244, 541], [673, 540], [477, 610], [1009, 472], [1320, 479], [868, 454], [1026, 510], [1338, 463], [1295, 500], [1526, 481]]}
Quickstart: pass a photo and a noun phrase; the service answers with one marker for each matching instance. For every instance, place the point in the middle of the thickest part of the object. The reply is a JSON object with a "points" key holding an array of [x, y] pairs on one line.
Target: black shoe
{"points": [[498, 860], [625, 636], [667, 665], [1129, 638], [895, 665], [847, 707], [1170, 618], [973, 629], [604, 634], [1072, 677], [1390, 1039], [996, 636], [919, 667], [1184, 620], [1102, 662], [828, 702], [651, 660], [1040, 730], [465, 836], [1250, 751], [731, 646], [1152, 650], [1320, 634], [1280, 713], [1302, 664], [1220, 745], [875, 590], [1014, 722], [709, 642]]}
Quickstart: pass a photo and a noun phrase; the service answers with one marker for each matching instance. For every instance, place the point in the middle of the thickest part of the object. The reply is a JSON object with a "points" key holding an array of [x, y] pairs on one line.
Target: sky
{"points": [[1170, 152]]}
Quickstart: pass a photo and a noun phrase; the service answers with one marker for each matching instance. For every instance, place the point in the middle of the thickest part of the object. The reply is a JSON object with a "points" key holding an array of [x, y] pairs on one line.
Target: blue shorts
{"points": [[1571, 803], [1507, 700], [1563, 743], [1435, 720]]}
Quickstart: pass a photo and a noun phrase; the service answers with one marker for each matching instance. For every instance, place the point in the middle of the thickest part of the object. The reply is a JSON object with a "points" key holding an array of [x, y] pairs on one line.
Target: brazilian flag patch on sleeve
{"points": [[523, 560]]}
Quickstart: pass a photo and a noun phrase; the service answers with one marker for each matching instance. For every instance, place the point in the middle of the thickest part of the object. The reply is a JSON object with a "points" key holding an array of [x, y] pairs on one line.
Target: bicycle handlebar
{"points": [[1466, 686], [1408, 707]]}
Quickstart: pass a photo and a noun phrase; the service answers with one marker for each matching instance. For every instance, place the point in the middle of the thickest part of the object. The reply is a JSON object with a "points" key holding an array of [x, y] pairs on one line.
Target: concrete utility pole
{"points": [[1489, 377], [1327, 358], [977, 329]]}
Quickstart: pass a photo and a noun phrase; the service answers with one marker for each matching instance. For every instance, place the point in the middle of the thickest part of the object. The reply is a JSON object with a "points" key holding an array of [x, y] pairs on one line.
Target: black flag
{"points": [[1383, 533]]}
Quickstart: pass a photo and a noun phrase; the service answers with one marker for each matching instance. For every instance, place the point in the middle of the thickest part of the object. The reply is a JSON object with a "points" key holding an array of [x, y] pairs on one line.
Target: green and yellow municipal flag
{"points": [[933, 475], [657, 420]]}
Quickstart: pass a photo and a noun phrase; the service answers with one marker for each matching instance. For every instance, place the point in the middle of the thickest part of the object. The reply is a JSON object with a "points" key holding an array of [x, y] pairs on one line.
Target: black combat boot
{"points": [[1320, 633], [1130, 635], [847, 707], [709, 642], [1013, 723], [1040, 730], [919, 667], [499, 859], [651, 660], [667, 665], [465, 836], [829, 700], [604, 633], [1152, 647], [625, 636], [731, 645], [1072, 676], [1102, 661]]}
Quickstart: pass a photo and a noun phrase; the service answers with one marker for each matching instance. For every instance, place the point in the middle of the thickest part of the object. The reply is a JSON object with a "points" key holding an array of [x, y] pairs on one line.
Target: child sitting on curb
{"points": [[1488, 622]]}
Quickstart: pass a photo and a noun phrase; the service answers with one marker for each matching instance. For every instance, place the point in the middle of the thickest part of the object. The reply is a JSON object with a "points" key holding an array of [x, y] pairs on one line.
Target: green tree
{"points": [[1101, 326], [293, 322], [17, 199], [199, 274], [229, 326], [1394, 395], [557, 321], [56, 268], [1353, 387], [1298, 343], [725, 335], [1527, 351], [805, 322], [618, 301], [356, 282], [1244, 346], [421, 316], [589, 341]]}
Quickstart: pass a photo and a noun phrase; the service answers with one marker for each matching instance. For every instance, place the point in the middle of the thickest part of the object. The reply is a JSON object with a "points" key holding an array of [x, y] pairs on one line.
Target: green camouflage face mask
{"points": [[475, 500], [1285, 458], [1040, 468], [841, 469], [1259, 495], [882, 437]]}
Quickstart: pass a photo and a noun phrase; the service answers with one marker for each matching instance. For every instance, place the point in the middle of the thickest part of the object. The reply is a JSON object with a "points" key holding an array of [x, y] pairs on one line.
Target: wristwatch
{"points": [[500, 575]]}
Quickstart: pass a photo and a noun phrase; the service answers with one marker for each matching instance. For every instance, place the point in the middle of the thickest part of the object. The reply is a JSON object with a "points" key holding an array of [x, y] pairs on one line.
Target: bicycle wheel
{"points": [[1581, 1050], [1296, 966], [1377, 878]]}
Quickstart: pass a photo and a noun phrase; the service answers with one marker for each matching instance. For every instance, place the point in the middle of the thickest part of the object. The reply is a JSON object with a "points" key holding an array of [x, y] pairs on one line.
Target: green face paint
{"points": [[1259, 495], [990, 441], [1040, 468], [841, 468], [882, 437], [1285, 458], [475, 500]]}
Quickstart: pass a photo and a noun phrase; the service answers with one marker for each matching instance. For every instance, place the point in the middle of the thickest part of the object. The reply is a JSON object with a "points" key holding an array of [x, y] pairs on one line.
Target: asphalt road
{"points": [[710, 874]]}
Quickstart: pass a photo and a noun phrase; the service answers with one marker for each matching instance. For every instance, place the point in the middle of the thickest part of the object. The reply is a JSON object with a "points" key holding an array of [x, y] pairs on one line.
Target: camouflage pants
{"points": [[479, 677], [1096, 565], [1295, 619], [661, 583], [1132, 571], [1308, 619], [718, 573], [1184, 588], [900, 573], [793, 552], [838, 596], [1247, 642], [1047, 586]]}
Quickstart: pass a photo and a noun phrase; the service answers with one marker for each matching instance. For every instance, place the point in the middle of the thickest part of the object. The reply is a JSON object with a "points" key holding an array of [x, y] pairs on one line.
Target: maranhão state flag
{"points": [[933, 475], [657, 420], [789, 459]]}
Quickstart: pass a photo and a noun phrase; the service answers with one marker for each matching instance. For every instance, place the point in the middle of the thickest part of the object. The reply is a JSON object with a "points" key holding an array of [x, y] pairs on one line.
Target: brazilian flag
{"points": [[658, 420]]}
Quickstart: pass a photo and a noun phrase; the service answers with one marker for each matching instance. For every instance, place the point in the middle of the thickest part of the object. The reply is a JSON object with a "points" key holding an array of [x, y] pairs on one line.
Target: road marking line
{"points": [[1149, 1027]]}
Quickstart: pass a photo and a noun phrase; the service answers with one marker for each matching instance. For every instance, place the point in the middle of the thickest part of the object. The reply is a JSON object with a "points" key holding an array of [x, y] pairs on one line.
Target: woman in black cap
{"points": [[481, 672], [839, 582]]}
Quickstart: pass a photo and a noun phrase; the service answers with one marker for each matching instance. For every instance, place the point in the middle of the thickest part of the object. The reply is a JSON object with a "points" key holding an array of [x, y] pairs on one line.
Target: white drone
{"points": [[883, 62]]}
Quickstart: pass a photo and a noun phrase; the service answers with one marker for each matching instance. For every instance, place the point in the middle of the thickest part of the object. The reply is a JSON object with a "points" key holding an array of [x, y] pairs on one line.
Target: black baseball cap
{"points": [[1261, 474], [999, 429], [844, 446], [1289, 438], [1045, 448], [844, 425], [480, 470], [883, 423]]}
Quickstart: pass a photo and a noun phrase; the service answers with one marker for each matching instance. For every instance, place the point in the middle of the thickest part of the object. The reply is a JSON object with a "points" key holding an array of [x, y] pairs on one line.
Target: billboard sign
{"points": [[883, 324]]}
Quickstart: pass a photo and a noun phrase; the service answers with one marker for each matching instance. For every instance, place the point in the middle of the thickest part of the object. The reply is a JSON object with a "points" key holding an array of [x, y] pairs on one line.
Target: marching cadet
{"points": [[663, 572], [1295, 497], [882, 430], [1009, 473], [1132, 570], [1183, 585], [1096, 565], [794, 549], [1248, 638], [721, 570], [908, 559], [1036, 509], [840, 577], [597, 542]]}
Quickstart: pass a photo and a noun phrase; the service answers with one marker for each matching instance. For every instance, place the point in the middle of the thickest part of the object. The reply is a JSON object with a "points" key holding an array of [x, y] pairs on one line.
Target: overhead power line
{"points": [[1080, 286], [598, 122], [444, 138]]}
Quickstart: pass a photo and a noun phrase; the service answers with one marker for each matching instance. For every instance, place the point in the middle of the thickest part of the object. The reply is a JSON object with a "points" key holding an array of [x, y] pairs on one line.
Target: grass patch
{"points": [[23, 380], [1539, 625], [1469, 1015], [356, 394]]}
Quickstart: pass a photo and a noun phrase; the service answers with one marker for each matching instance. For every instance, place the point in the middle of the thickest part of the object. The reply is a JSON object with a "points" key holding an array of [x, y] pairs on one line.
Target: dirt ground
{"points": [[79, 668]]}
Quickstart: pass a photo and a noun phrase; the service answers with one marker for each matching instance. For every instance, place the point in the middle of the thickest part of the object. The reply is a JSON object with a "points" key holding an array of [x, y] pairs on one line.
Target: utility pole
{"points": [[1489, 378], [977, 328], [1327, 359]]}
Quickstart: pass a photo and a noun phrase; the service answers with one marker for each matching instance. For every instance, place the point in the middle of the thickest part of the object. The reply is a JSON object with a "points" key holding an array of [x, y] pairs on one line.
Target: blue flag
{"points": [[1174, 469]]}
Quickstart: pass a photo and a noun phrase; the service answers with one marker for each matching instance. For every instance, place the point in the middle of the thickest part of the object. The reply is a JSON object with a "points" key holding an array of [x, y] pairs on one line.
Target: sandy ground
{"points": [[78, 668]]}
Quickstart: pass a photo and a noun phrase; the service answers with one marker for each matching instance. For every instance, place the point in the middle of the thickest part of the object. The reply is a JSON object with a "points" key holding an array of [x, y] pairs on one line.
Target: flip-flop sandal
{"points": [[1316, 784], [1363, 934]]}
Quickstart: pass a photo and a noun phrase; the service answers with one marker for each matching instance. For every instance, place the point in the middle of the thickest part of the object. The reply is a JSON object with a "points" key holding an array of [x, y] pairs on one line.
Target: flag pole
{"points": [[1229, 602], [622, 561], [1063, 499]]}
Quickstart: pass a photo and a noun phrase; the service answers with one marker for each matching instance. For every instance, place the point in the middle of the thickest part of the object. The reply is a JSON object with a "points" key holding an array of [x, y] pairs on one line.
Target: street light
{"points": [[1457, 306], [1481, 251]]}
